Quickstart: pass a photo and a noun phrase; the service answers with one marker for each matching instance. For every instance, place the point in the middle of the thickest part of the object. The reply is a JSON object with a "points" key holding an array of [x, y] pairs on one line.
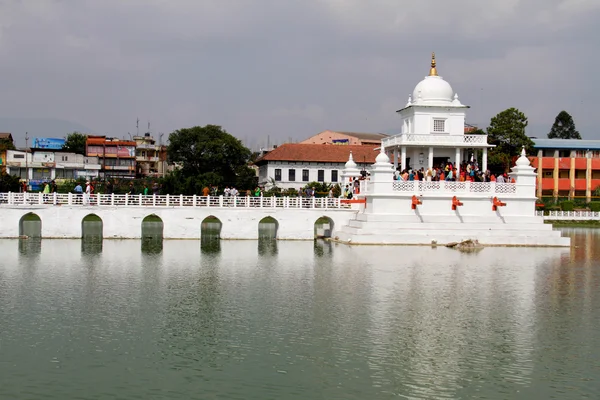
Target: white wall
{"points": [[179, 223], [421, 119]]}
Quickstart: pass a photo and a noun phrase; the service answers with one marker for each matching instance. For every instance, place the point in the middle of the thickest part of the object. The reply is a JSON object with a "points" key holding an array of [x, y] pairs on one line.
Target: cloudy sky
{"points": [[289, 68]]}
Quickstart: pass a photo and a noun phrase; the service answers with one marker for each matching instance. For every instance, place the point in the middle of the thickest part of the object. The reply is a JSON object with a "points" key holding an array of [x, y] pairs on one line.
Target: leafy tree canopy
{"points": [[75, 142], [507, 133], [208, 155], [6, 144], [563, 127], [8, 183]]}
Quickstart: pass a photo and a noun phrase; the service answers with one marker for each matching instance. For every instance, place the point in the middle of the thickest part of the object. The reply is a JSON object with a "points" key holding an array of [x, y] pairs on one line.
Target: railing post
{"points": [[140, 199], [180, 200], [9, 200], [40, 198], [54, 198], [314, 201], [154, 200], [70, 199], [247, 201], [261, 201], [194, 200], [273, 201], [220, 200], [167, 200], [112, 199]]}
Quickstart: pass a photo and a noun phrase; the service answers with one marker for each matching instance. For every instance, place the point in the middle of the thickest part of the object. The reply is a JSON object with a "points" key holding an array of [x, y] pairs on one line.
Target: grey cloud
{"points": [[292, 68]]}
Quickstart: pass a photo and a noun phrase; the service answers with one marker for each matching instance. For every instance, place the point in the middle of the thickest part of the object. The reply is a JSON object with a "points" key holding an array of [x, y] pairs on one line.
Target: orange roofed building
{"points": [[346, 138], [116, 156], [293, 165]]}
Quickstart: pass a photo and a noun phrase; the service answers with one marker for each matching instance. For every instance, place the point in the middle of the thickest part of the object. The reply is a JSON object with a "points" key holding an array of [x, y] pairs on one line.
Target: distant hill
{"points": [[39, 127]]}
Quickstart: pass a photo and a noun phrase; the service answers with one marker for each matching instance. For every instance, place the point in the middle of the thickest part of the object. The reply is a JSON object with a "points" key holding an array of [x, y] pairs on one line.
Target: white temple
{"points": [[433, 128], [440, 212]]}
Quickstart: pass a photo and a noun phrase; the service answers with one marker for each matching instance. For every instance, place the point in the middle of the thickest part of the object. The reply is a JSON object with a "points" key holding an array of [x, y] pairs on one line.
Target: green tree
{"points": [[75, 142], [9, 183], [6, 144], [207, 155], [507, 133], [563, 127]]}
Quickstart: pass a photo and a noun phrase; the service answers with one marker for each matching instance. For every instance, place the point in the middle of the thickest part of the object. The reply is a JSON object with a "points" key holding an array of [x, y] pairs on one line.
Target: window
{"points": [[278, 174], [291, 175], [334, 175], [580, 153], [18, 156], [439, 125], [304, 175], [321, 175]]}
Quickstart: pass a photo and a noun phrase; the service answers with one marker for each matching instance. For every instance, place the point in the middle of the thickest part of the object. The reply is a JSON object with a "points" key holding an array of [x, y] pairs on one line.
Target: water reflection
{"points": [[267, 228], [152, 245], [267, 246], [91, 245], [323, 248], [30, 246], [91, 227], [300, 320]]}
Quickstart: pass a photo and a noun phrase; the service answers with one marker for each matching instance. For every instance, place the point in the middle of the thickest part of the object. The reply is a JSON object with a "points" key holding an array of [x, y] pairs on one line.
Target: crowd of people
{"points": [[468, 172]]}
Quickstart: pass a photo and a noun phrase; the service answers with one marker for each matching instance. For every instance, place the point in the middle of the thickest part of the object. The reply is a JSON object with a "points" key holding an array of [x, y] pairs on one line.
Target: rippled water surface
{"points": [[297, 320]]}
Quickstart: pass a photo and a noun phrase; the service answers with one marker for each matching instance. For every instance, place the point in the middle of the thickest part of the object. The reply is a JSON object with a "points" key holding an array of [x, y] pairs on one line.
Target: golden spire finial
{"points": [[433, 70]]}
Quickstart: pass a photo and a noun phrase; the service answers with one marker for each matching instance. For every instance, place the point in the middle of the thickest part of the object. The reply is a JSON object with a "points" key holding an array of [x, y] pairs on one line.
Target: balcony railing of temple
{"points": [[435, 139], [446, 187], [138, 200]]}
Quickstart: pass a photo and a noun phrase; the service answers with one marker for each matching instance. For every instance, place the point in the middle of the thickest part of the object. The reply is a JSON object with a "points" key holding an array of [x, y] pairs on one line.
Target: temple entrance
{"points": [[437, 161]]}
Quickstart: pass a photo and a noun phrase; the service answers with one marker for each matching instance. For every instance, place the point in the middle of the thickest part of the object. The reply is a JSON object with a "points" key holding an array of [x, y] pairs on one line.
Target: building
{"points": [[6, 141], [37, 166], [151, 159], [567, 167], [433, 128], [293, 165], [346, 138], [117, 157]]}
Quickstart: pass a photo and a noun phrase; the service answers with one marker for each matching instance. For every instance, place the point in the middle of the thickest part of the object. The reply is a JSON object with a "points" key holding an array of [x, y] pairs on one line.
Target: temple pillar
{"points": [[457, 163], [430, 159], [403, 158], [484, 159]]}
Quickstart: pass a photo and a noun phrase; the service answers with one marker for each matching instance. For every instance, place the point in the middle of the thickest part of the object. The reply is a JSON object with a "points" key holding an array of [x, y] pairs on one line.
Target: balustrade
{"points": [[126, 200]]}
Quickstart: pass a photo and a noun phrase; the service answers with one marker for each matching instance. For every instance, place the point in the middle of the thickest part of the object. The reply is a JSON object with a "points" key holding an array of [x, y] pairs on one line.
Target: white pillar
{"points": [[474, 155], [403, 158], [484, 160], [395, 158], [430, 160], [457, 163]]}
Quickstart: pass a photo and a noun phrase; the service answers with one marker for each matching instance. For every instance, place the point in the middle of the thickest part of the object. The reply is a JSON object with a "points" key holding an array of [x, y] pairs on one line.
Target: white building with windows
{"points": [[47, 165], [293, 165], [433, 128]]}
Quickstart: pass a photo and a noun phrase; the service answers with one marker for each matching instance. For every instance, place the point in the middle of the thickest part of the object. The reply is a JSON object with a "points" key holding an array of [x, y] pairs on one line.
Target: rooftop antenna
{"points": [[137, 126], [148, 126], [160, 135]]}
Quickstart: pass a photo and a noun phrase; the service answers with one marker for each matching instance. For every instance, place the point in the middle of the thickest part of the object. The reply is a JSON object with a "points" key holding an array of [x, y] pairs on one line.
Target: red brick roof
{"points": [[320, 153]]}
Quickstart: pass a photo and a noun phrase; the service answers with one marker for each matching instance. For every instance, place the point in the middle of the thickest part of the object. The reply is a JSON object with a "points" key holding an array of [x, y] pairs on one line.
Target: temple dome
{"points": [[433, 90]]}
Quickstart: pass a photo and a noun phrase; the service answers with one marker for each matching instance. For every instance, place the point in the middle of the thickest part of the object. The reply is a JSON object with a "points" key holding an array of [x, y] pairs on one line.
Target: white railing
{"points": [[435, 139], [138, 200], [570, 215], [454, 187]]}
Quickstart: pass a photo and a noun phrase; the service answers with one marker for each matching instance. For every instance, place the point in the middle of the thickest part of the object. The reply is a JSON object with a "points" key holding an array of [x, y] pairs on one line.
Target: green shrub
{"points": [[567, 205], [594, 206]]}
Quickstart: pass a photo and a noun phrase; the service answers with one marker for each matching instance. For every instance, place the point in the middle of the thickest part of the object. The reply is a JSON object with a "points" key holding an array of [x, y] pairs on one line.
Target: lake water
{"points": [[263, 320]]}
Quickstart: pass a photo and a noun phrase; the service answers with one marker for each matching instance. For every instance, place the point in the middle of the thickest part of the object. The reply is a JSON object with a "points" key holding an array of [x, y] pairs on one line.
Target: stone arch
{"points": [[92, 227], [30, 225], [152, 227], [210, 228], [323, 227], [267, 228]]}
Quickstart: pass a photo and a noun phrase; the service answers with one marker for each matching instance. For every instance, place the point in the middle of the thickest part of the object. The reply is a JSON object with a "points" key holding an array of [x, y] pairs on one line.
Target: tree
{"points": [[75, 142], [9, 183], [208, 155], [6, 144], [563, 127], [507, 133]]}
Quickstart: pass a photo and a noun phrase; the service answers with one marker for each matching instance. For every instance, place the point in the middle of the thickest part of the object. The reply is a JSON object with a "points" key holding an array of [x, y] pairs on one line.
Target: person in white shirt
{"points": [[88, 192]]}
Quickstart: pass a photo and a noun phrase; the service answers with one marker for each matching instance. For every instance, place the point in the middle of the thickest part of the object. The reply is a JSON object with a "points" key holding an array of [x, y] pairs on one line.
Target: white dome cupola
{"points": [[434, 90]]}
